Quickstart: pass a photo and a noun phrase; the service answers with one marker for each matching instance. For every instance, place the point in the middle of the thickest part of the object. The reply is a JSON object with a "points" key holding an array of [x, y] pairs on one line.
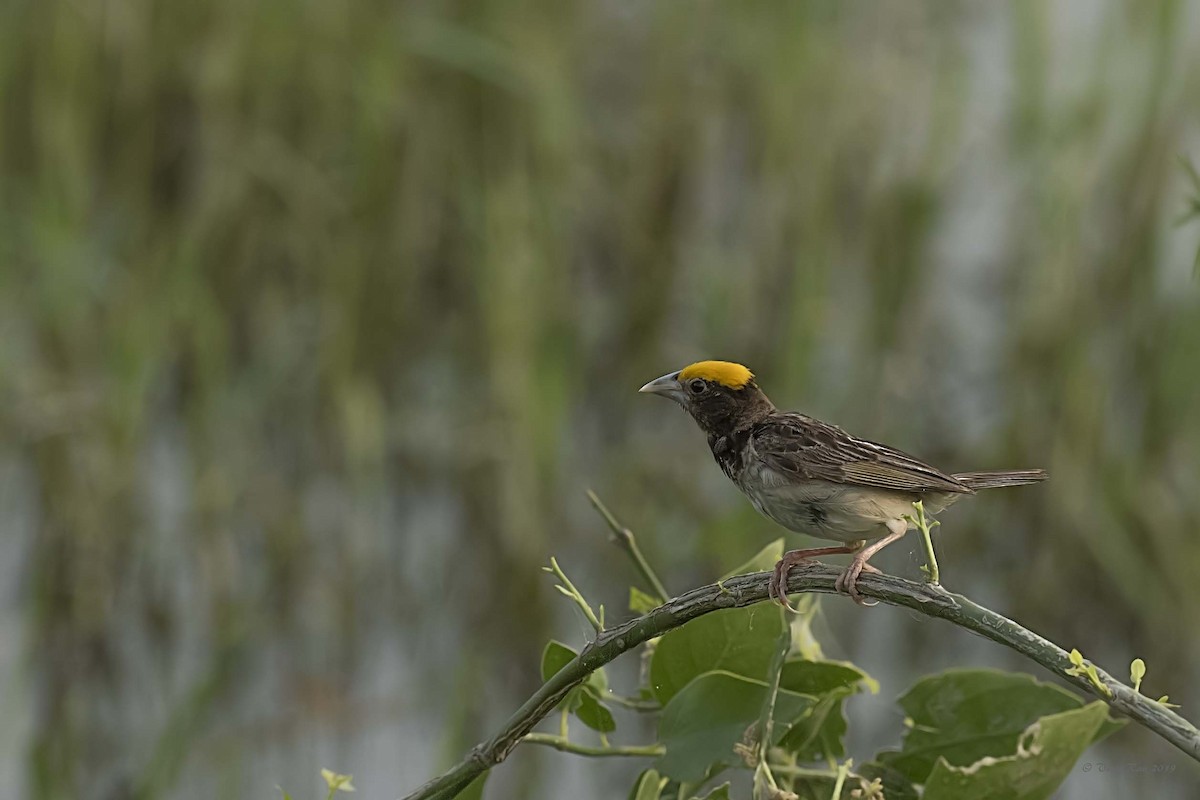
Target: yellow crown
{"points": [[726, 373]]}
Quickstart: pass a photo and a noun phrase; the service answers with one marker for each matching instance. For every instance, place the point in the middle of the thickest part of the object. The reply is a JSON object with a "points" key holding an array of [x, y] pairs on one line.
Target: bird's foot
{"points": [[847, 582], [777, 588]]}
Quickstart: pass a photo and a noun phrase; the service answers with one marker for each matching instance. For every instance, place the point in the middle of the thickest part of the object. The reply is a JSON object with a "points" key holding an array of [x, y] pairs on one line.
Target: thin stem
{"points": [[793, 771], [628, 542], [745, 590], [566, 746], [766, 720], [924, 526], [574, 595], [843, 770], [633, 703]]}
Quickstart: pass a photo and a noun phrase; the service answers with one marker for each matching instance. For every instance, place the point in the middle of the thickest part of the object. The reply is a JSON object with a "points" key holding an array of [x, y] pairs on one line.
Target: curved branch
{"points": [[745, 590]]}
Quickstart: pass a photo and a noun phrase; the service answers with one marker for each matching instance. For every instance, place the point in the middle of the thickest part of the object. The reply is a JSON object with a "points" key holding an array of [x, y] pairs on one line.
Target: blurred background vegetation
{"points": [[317, 319]]}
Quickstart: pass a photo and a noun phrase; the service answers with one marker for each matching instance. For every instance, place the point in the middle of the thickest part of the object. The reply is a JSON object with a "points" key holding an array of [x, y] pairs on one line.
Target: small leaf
{"points": [[598, 682], [283, 792], [584, 701], [640, 602], [556, 656], [337, 782], [762, 561], [573, 699], [648, 786], [591, 713], [807, 676], [1076, 657], [1163, 701], [1137, 671], [818, 735]]}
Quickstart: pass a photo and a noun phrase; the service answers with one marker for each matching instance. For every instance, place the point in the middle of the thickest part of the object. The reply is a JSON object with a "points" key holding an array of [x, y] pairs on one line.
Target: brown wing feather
{"points": [[798, 445]]}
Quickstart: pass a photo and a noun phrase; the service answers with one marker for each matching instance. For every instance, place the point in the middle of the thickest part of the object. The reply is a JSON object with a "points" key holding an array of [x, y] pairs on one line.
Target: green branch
{"points": [[745, 590], [567, 746], [627, 542]]}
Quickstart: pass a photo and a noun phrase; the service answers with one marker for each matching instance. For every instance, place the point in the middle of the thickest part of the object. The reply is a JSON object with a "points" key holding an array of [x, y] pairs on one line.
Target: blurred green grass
{"points": [[317, 319]]}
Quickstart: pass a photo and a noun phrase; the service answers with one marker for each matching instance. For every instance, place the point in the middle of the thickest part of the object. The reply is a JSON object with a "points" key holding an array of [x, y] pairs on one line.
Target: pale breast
{"points": [[842, 512]]}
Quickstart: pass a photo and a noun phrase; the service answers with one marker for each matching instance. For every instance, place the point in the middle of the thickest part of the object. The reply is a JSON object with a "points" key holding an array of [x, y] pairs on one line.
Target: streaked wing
{"points": [[800, 446]]}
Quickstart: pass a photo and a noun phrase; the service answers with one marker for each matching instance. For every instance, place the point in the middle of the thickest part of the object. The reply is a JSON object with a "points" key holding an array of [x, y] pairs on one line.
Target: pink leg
{"points": [[777, 588], [847, 581]]}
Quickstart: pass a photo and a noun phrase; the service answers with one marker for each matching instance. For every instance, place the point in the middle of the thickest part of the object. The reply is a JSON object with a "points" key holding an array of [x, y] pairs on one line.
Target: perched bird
{"points": [[813, 477]]}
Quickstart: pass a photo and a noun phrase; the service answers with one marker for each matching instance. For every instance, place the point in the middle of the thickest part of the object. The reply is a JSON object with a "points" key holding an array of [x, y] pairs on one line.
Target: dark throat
{"points": [[728, 426]]}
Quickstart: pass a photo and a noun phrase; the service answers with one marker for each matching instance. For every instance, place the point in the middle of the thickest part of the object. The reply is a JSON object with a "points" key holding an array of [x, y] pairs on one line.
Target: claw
{"points": [[848, 581], [777, 587]]}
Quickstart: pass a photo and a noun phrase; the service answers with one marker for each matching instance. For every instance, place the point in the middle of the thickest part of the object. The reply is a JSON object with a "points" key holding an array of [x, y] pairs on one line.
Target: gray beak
{"points": [[668, 386]]}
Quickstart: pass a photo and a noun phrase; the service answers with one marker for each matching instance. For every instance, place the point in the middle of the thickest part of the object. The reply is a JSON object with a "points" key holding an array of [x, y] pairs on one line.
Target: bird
{"points": [[813, 477]]}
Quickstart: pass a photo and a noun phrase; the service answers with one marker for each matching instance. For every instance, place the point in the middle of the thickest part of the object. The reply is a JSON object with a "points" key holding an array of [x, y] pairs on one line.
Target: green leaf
{"points": [[737, 640], [640, 602], [818, 735], [648, 786], [591, 713], [585, 701], [701, 724], [964, 715], [1045, 753], [556, 656], [762, 561], [338, 782], [474, 790], [819, 677], [598, 682], [1137, 671]]}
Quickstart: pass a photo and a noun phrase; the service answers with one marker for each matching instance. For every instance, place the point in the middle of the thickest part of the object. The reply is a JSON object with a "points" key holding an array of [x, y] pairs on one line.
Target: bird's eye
{"points": [[696, 386]]}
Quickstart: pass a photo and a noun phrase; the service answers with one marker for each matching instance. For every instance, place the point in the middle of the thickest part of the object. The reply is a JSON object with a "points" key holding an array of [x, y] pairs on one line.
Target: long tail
{"points": [[995, 480]]}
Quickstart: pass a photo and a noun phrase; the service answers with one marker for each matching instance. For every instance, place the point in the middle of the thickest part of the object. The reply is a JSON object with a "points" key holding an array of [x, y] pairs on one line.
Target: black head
{"points": [[720, 395]]}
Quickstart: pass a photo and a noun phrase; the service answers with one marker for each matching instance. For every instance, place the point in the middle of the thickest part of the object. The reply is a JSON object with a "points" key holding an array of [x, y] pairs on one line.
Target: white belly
{"points": [[841, 512]]}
